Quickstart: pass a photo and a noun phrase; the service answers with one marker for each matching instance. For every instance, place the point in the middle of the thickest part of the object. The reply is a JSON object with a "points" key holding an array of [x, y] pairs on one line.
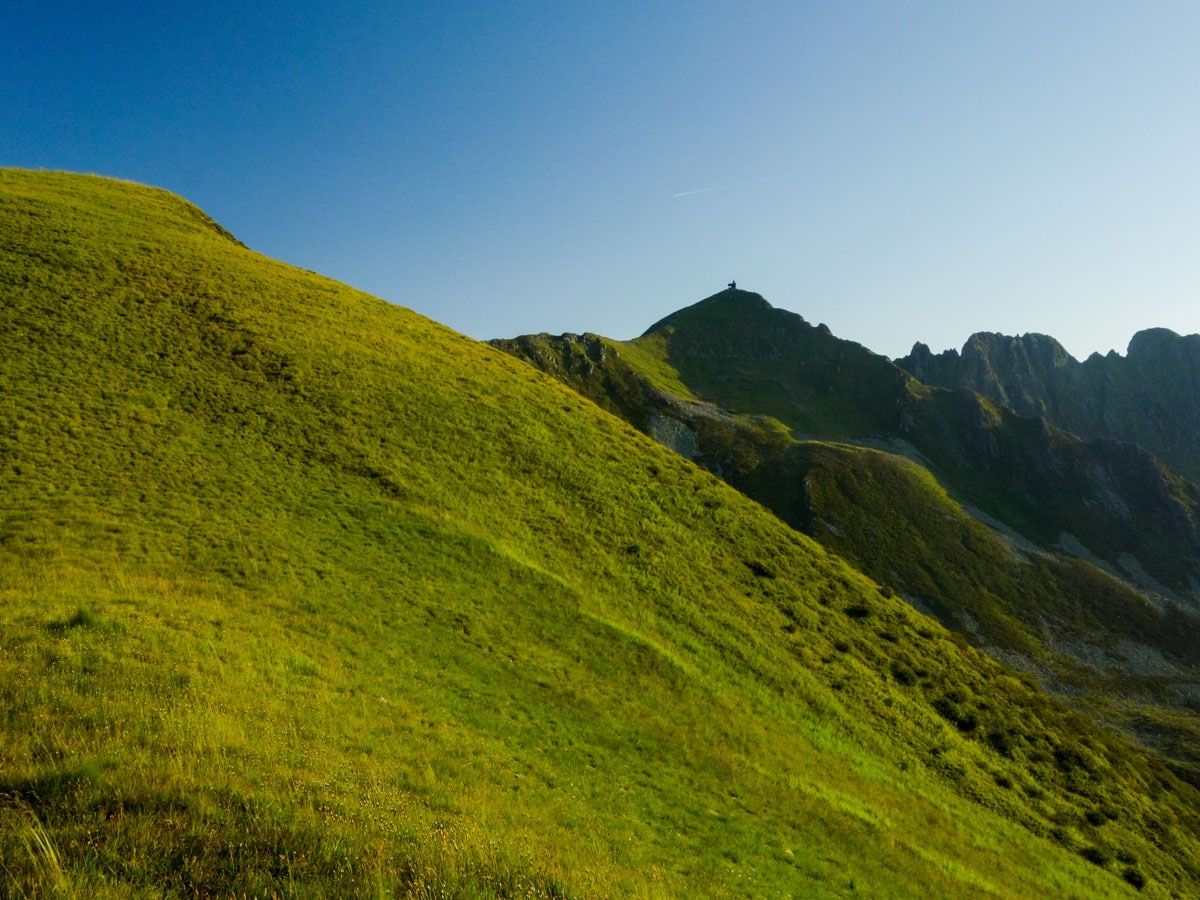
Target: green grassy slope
{"points": [[1076, 626], [302, 593]]}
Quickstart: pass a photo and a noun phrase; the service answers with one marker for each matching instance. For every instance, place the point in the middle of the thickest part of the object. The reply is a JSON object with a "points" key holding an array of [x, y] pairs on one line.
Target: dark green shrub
{"points": [[1134, 877], [1001, 743], [961, 717], [903, 674], [1070, 759]]}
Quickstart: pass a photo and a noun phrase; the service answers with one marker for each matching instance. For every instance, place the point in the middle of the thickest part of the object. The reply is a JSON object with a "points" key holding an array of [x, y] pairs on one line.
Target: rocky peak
{"points": [[1150, 397]]}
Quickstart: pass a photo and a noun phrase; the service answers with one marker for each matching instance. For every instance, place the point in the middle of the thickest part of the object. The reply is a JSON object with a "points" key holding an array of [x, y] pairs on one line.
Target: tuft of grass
{"points": [[82, 617], [47, 878]]}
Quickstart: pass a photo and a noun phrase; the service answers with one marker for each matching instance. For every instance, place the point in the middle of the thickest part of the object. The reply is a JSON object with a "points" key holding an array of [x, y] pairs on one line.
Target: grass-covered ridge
{"points": [[303, 593]]}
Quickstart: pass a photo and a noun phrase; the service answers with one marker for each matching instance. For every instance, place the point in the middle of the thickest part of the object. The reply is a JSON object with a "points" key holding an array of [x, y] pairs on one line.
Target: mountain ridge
{"points": [[750, 358], [1150, 396]]}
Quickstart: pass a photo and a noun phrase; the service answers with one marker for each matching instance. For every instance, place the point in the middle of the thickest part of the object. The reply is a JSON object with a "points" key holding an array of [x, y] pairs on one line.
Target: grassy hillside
{"points": [[1122, 656], [743, 358], [301, 593]]}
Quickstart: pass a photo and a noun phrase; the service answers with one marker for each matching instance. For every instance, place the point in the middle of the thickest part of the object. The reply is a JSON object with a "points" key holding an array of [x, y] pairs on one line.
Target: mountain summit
{"points": [[729, 307]]}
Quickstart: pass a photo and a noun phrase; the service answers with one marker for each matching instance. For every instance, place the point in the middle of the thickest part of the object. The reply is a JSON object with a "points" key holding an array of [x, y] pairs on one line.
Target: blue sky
{"points": [[900, 171]]}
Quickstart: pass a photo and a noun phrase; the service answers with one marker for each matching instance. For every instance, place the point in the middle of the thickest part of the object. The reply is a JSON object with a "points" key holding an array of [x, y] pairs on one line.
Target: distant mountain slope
{"points": [[717, 382], [736, 352], [303, 594], [1149, 397]]}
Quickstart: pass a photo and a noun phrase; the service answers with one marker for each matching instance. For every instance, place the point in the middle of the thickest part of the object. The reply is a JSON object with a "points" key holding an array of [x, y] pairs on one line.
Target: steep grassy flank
{"points": [[887, 514], [1122, 504], [302, 593], [1107, 647], [736, 350]]}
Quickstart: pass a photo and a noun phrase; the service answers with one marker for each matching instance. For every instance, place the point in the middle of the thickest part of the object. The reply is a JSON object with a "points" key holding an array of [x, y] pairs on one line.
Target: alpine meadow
{"points": [[305, 595]]}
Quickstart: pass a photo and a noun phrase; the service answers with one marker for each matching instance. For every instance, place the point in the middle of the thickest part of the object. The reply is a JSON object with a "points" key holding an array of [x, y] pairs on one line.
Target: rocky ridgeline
{"points": [[1150, 396]]}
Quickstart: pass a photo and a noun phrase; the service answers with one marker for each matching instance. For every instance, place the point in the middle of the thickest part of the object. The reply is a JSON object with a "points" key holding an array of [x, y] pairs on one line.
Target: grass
{"points": [[303, 594]]}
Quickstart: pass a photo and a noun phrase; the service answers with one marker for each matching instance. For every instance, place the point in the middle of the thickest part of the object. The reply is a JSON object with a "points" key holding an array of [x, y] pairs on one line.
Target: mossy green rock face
{"points": [[303, 594]]}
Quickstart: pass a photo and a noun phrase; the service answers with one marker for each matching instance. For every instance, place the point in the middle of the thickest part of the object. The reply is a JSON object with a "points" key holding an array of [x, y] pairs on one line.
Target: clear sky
{"points": [[899, 170]]}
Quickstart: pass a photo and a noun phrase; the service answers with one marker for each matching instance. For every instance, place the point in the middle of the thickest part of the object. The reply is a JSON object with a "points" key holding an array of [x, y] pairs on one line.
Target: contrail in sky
{"points": [[726, 187]]}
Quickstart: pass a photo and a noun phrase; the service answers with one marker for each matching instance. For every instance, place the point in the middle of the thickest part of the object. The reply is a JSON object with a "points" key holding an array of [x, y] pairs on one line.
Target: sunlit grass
{"points": [[302, 594]]}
